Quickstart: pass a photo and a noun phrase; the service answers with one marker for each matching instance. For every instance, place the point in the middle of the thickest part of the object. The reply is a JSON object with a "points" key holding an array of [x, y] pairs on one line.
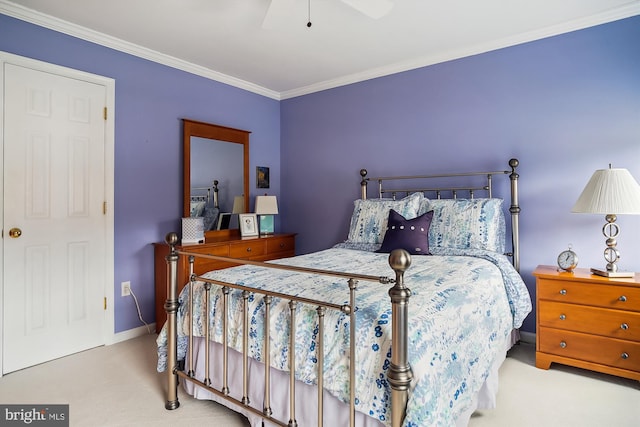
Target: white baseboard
{"points": [[528, 337], [133, 333]]}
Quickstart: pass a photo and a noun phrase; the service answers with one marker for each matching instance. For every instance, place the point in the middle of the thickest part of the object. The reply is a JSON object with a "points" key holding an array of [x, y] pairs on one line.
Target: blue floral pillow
{"points": [[411, 235], [370, 216], [196, 209], [466, 224]]}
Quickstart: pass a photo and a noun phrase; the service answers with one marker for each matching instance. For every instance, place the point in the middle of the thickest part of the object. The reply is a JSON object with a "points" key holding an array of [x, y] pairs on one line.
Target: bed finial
{"points": [[171, 239], [399, 260], [513, 163]]}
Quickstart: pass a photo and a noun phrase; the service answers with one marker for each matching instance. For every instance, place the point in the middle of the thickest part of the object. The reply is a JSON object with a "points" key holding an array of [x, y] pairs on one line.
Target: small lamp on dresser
{"points": [[610, 192], [266, 208]]}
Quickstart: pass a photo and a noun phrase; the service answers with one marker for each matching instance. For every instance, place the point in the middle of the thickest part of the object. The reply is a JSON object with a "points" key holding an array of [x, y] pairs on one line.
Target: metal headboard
{"points": [[205, 197], [482, 181]]}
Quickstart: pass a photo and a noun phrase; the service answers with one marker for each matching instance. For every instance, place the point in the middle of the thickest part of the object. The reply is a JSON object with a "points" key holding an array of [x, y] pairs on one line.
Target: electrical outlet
{"points": [[126, 288]]}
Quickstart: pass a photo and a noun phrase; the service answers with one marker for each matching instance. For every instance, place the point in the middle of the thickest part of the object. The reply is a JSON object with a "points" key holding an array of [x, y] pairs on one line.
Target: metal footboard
{"points": [[399, 375]]}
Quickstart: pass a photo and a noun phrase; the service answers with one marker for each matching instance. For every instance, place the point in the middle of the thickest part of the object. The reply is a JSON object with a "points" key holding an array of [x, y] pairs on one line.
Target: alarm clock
{"points": [[567, 260]]}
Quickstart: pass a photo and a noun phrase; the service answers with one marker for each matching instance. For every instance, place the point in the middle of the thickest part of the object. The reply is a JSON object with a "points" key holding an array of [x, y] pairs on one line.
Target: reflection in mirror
{"points": [[215, 175]]}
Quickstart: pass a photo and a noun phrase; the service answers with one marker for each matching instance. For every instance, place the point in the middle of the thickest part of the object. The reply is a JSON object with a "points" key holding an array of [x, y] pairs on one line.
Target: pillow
{"points": [[210, 215], [411, 235], [370, 216], [466, 224], [197, 208]]}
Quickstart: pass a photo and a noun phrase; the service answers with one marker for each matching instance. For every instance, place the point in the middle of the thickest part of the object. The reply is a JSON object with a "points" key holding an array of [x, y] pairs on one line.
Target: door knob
{"points": [[15, 233]]}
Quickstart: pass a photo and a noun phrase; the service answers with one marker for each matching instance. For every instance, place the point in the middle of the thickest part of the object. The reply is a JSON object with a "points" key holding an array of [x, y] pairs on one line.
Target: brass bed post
{"points": [[363, 184], [399, 374], [515, 213], [215, 194], [171, 307]]}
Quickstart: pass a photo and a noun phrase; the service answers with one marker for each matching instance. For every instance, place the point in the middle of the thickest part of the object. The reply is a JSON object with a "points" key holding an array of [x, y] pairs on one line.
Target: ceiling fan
{"points": [[374, 9]]}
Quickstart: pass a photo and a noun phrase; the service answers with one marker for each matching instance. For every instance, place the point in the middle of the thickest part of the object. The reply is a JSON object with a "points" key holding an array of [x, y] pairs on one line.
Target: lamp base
{"points": [[615, 274]]}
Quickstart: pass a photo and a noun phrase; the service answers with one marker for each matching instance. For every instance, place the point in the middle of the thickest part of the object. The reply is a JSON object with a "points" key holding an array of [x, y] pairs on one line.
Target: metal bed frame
{"points": [[205, 197], [399, 374]]}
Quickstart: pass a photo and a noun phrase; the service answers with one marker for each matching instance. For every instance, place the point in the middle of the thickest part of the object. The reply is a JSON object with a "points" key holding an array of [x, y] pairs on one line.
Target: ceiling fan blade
{"points": [[278, 11], [374, 9]]}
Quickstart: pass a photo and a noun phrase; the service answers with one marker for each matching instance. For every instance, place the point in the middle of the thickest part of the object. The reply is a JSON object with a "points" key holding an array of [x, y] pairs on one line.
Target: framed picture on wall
{"points": [[262, 177], [248, 225]]}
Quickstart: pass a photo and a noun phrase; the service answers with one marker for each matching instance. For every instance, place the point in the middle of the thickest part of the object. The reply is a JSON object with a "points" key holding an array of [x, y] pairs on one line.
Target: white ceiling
{"points": [[225, 39]]}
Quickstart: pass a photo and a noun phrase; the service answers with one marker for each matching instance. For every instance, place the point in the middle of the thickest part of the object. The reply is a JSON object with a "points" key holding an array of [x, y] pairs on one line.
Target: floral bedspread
{"points": [[462, 308]]}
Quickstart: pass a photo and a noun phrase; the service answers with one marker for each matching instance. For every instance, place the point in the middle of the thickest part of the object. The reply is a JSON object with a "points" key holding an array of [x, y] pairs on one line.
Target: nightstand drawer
{"points": [[247, 249], [607, 296], [611, 323], [590, 348]]}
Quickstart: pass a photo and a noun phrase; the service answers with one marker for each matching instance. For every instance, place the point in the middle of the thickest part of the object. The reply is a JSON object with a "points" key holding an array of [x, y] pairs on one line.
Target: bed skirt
{"points": [[335, 412]]}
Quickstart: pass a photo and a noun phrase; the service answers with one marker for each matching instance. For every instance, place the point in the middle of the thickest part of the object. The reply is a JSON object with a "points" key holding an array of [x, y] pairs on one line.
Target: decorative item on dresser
{"points": [[588, 321], [266, 208], [230, 245]]}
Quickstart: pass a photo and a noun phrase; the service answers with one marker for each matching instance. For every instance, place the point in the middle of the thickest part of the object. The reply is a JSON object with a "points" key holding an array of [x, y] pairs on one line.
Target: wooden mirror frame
{"points": [[221, 133]]}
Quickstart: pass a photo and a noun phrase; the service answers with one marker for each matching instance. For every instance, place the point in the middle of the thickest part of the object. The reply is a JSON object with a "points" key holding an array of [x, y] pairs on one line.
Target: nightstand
{"points": [[588, 321], [266, 248]]}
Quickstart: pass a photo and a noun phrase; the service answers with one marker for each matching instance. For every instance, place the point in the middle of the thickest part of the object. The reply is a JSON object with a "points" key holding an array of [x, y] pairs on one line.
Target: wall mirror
{"points": [[216, 175]]}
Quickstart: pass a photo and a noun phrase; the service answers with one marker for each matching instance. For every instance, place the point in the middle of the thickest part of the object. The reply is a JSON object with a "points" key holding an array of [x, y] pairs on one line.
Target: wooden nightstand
{"points": [[588, 321], [257, 249]]}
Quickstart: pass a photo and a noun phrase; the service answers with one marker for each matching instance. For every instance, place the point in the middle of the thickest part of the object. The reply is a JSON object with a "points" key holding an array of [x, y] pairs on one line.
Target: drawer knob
{"points": [[625, 356], [563, 344], [563, 317], [624, 326], [563, 292], [282, 245], [248, 249], [622, 298]]}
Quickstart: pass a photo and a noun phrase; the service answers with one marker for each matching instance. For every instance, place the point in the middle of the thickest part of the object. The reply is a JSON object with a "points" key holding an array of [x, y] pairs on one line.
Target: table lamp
{"points": [[266, 208], [610, 192]]}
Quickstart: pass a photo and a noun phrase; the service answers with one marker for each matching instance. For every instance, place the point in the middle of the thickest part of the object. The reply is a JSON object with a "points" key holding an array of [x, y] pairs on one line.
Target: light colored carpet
{"points": [[119, 386]]}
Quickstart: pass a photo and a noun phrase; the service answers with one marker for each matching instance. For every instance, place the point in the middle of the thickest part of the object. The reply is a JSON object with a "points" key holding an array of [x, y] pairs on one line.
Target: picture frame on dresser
{"points": [[248, 225]]}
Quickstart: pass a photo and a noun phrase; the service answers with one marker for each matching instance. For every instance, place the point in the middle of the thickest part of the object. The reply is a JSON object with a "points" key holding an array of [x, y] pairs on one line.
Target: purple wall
{"points": [[565, 106], [150, 101]]}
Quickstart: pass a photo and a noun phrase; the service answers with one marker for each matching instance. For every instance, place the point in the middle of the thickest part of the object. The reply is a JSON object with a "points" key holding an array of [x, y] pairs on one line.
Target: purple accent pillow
{"points": [[411, 235]]}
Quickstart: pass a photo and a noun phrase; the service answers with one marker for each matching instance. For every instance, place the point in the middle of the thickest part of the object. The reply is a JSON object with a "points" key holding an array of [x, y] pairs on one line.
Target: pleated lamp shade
{"points": [[610, 191]]}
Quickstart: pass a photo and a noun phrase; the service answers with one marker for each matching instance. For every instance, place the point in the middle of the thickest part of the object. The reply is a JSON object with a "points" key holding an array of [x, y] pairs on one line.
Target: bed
{"points": [[204, 203], [427, 342]]}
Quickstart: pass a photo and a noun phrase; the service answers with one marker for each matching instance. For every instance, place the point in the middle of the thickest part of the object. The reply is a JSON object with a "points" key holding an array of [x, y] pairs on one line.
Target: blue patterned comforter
{"points": [[462, 308]]}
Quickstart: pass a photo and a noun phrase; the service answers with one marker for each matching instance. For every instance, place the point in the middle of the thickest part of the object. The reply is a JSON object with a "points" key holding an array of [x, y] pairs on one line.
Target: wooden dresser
{"points": [[258, 249], [588, 321]]}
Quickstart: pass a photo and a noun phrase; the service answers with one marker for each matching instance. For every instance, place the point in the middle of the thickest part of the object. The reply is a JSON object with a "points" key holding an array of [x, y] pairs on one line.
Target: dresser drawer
{"points": [[247, 249], [203, 265], [600, 321], [607, 296], [590, 348], [275, 245]]}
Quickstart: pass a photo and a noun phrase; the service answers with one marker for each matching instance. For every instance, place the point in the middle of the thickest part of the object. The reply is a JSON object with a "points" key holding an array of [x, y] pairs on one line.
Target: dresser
{"points": [[588, 321], [257, 249]]}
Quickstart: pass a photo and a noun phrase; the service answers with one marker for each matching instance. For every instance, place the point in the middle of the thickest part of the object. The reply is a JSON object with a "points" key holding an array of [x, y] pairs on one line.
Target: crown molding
{"points": [[627, 11], [46, 21], [34, 17]]}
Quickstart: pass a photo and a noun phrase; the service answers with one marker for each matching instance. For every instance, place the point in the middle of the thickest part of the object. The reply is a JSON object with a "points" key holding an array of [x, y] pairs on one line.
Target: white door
{"points": [[54, 225]]}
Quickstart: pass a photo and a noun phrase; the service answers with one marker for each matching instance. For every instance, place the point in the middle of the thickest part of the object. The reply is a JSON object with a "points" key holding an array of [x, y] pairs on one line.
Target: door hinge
{"points": [[105, 303], [104, 208], [105, 113]]}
